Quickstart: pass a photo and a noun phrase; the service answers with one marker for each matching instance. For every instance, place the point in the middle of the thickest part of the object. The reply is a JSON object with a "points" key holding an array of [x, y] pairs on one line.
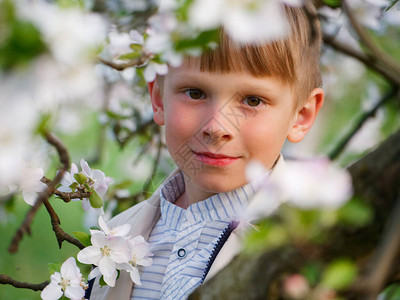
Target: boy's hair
{"points": [[294, 59]]}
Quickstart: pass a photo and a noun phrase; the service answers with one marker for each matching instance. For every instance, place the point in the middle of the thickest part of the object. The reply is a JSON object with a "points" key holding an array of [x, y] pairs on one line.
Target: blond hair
{"points": [[293, 59]]}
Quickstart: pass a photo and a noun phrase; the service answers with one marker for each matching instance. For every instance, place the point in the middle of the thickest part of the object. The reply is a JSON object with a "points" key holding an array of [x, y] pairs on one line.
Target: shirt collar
{"points": [[221, 206]]}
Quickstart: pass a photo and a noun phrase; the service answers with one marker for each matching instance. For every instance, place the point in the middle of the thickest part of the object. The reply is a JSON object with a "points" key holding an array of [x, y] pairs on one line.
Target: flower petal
{"points": [[99, 239], [75, 292], [135, 276], [106, 266], [70, 270], [87, 171], [103, 225], [94, 273], [89, 255], [110, 280], [29, 197], [51, 292], [122, 230]]}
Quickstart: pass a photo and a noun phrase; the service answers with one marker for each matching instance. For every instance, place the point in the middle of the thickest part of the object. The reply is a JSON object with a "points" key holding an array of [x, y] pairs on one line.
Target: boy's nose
{"points": [[214, 131]]}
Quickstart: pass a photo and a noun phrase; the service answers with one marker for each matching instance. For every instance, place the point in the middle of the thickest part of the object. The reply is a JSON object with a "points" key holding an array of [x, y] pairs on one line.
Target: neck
{"points": [[191, 195]]}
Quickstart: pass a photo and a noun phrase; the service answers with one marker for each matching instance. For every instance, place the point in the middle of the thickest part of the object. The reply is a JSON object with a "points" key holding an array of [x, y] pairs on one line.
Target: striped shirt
{"points": [[183, 240]]}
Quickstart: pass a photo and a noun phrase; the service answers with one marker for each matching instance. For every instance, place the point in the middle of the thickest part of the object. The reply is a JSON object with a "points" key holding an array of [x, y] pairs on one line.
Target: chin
{"points": [[218, 185]]}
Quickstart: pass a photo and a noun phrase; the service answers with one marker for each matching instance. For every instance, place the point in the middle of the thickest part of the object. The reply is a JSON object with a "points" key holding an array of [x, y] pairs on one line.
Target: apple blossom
{"points": [[67, 282], [105, 253], [93, 181], [306, 184], [121, 230], [31, 185], [139, 251], [244, 21]]}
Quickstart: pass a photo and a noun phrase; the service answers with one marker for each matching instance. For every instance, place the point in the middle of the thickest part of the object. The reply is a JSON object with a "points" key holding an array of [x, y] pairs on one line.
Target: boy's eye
{"points": [[253, 101], [194, 94]]}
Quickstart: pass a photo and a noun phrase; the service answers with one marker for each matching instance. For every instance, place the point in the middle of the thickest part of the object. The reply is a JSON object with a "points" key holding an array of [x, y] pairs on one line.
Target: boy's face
{"points": [[215, 124]]}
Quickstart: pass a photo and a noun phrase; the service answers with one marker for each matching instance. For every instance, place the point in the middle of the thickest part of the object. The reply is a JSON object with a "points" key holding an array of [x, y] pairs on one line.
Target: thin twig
{"points": [[122, 66], [374, 51], [4, 279], [386, 72], [141, 129], [362, 119], [67, 197], [61, 235], [43, 196]]}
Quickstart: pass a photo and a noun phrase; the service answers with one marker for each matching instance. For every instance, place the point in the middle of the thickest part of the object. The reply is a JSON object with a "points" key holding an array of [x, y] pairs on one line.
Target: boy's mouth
{"points": [[215, 159]]}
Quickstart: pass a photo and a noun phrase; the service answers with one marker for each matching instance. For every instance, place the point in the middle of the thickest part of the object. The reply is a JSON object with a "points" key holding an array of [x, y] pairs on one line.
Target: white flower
{"points": [[139, 250], [71, 34], [244, 21], [99, 182], [152, 69], [105, 253], [119, 43], [121, 230], [316, 183], [68, 281], [96, 180], [31, 185], [68, 179], [306, 184]]}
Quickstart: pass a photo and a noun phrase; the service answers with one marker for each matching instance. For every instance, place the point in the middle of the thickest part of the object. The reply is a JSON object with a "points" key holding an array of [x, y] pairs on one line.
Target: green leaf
{"points": [[95, 228], [201, 41], [80, 178], [311, 272], [355, 213], [102, 282], [339, 274], [83, 237], [95, 200], [71, 3], [392, 292], [136, 47], [268, 236], [73, 186], [54, 267], [131, 55], [333, 3]]}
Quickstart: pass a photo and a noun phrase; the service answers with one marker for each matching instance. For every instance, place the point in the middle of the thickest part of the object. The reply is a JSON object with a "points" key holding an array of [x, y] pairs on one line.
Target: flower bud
{"points": [[95, 200], [80, 178]]}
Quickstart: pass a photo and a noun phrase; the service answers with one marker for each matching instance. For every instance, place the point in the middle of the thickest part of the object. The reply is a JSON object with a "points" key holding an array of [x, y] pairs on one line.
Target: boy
{"points": [[233, 105]]}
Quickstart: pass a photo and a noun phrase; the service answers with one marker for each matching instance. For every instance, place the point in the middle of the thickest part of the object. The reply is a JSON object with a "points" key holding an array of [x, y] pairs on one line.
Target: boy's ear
{"points": [[156, 102], [305, 116]]}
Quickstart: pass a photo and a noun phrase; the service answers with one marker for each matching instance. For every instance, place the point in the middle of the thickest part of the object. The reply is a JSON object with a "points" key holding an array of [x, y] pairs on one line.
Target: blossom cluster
{"points": [[113, 250], [307, 184], [88, 180], [68, 282], [245, 21]]}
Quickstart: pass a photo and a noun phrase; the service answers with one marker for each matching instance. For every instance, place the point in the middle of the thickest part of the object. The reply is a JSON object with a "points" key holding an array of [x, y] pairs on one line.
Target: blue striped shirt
{"points": [[183, 240]]}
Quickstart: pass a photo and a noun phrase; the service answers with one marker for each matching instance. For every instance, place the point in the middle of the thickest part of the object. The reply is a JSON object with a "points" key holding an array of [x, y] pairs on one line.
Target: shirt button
{"points": [[181, 253]]}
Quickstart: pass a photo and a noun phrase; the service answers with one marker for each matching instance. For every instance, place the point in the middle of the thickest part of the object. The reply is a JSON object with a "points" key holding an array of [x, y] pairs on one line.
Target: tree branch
{"points": [[386, 72], [375, 52], [4, 279], [361, 120], [122, 66], [45, 195]]}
